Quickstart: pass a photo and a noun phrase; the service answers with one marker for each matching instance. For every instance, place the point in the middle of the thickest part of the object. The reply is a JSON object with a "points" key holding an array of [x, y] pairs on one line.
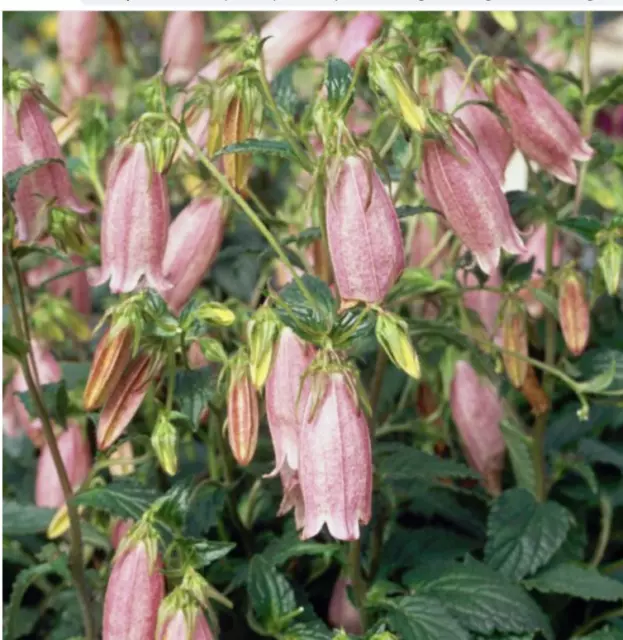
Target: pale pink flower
{"points": [[182, 45], [342, 613], [358, 34], [76, 34], [181, 625], [325, 44]]}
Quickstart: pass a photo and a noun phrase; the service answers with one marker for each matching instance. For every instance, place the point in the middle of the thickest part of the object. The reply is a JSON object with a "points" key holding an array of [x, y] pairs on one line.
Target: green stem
{"points": [[171, 384], [463, 42], [604, 533], [356, 578], [591, 624]]}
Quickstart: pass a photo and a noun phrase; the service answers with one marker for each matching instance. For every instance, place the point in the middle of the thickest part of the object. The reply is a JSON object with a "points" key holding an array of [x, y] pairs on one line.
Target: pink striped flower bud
{"points": [[363, 230], [77, 83], [119, 530], [358, 35], [290, 33], [195, 237], [573, 312], [462, 187], [243, 420], [178, 621], [182, 45], [539, 125], [477, 412], [28, 137], [485, 303], [494, 143], [335, 461], [76, 455], [135, 223], [342, 613], [286, 394], [515, 340], [76, 34], [292, 496], [134, 592], [326, 43]]}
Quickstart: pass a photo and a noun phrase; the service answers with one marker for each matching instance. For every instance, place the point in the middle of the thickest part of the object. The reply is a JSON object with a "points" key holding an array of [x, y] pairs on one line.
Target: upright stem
{"points": [[587, 114], [356, 578], [29, 366]]}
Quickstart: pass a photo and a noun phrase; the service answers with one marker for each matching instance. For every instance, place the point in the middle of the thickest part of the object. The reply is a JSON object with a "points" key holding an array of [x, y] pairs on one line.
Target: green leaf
{"points": [[482, 601], [123, 498], [55, 399], [205, 552], [423, 618], [517, 272], [603, 365], [596, 451], [586, 228], [610, 91], [523, 534], [13, 178], [417, 281], [284, 93], [522, 201], [24, 519], [338, 78], [279, 148], [12, 346], [194, 390], [289, 546], [407, 210], [577, 581], [173, 507], [519, 447], [308, 630], [271, 594], [607, 633], [354, 328]]}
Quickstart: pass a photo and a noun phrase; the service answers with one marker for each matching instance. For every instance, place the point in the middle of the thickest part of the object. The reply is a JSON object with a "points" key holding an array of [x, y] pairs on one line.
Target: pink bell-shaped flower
{"points": [[292, 497], [195, 237], [182, 45], [358, 34], [460, 185], [325, 44], [286, 394], [335, 461], [135, 223], [363, 231], [76, 35], [539, 125], [28, 137], [494, 143], [477, 412], [342, 613]]}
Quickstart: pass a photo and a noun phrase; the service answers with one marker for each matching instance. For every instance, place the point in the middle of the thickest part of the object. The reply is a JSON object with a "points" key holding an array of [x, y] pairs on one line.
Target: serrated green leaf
{"points": [[610, 91], [205, 552], [586, 228], [577, 581], [173, 507], [596, 451], [595, 362], [282, 88], [423, 618], [519, 449], [523, 534], [338, 78], [315, 630], [13, 178], [123, 498], [289, 545], [601, 381], [12, 346], [24, 519], [194, 390], [483, 601], [354, 327], [279, 148], [521, 201]]}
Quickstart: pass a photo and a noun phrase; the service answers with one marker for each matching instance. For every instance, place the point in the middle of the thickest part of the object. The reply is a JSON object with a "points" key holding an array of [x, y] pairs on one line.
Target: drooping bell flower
{"points": [[77, 83], [76, 455], [180, 619], [195, 237], [462, 187], [125, 399], [289, 34], [135, 223], [539, 125], [358, 34], [243, 419], [335, 461], [119, 530], [477, 412], [363, 231], [292, 497], [484, 302], [76, 35], [342, 613], [286, 393], [494, 143], [134, 591], [182, 45], [28, 138], [574, 312], [325, 44]]}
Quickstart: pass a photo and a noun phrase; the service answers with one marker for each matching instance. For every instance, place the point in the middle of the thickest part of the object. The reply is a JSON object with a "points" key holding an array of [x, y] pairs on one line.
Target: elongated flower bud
{"points": [[125, 399], [494, 143], [112, 356], [292, 496], [462, 187], [477, 412], [237, 127], [515, 338], [243, 419], [195, 237], [574, 312], [610, 261], [289, 34], [363, 231], [182, 45], [539, 125], [179, 619], [164, 441], [28, 137], [391, 333], [335, 462], [135, 223], [134, 592], [119, 530], [358, 34], [76, 455], [76, 34], [342, 613], [286, 395], [326, 43]]}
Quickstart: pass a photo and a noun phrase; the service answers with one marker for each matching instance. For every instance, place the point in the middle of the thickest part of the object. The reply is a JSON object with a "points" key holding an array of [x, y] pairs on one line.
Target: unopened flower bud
{"points": [[611, 261], [261, 334], [242, 418], [342, 613], [391, 332], [215, 313], [573, 312], [237, 127], [515, 339], [180, 618], [164, 441]]}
